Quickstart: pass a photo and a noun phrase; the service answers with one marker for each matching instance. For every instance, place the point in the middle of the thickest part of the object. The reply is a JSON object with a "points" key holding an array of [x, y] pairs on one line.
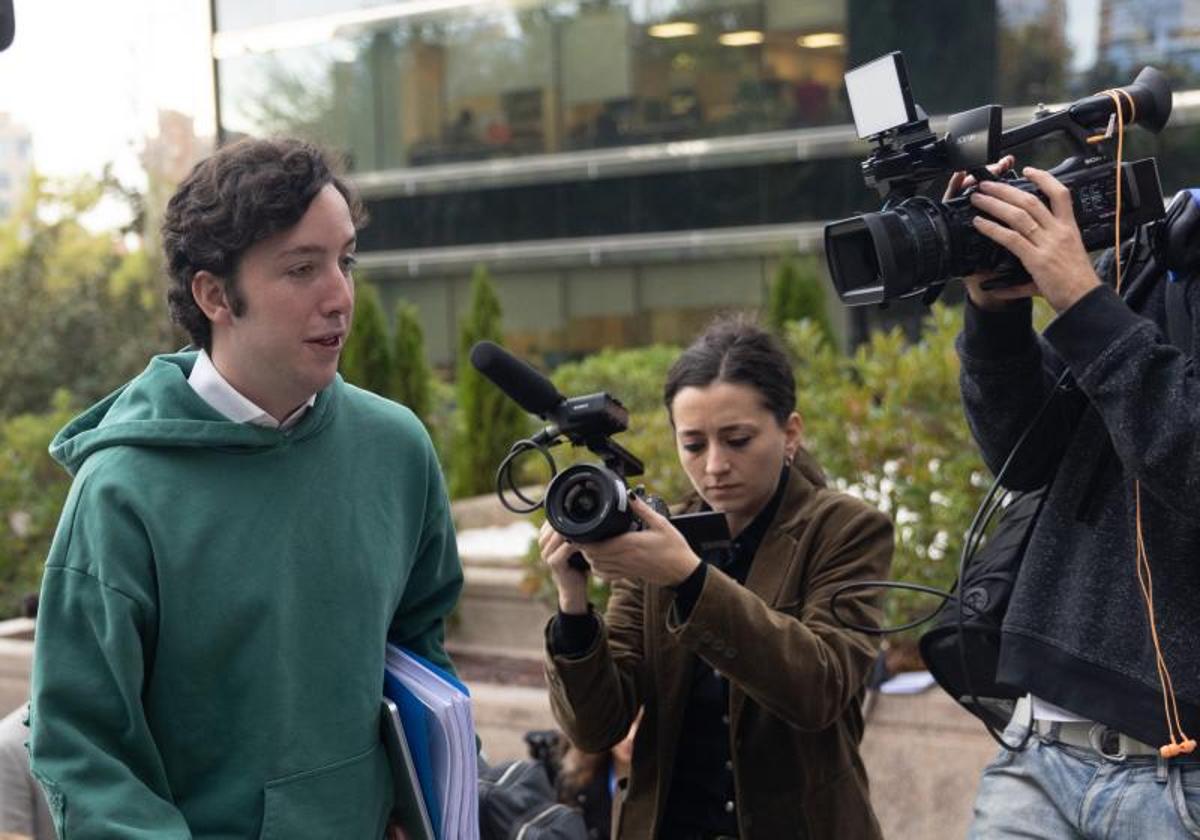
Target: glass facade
{"points": [[469, 88], [482, 81]]}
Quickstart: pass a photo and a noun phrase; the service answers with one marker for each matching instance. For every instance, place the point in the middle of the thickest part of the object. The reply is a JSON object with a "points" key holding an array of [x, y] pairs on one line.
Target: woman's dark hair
{"points": [[735, 349], [242, 194]]}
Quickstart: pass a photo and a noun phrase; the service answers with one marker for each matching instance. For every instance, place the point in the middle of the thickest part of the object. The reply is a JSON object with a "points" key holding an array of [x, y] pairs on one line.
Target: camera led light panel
{"points": [[879, 95]]}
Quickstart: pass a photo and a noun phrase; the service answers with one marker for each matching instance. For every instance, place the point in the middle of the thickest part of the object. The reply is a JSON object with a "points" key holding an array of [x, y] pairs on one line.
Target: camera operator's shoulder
{"points": [[380, 417], [835, 513]]}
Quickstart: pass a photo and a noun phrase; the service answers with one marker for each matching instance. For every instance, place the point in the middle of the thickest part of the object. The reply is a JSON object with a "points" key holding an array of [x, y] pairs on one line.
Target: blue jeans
{"points": [[1055, 791]]}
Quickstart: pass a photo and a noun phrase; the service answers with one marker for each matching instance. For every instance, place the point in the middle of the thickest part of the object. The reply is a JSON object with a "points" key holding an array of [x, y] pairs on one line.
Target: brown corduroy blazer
{"points": [[796, 675]]}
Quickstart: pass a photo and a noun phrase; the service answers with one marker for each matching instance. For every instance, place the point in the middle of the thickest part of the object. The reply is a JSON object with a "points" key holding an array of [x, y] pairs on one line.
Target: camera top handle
{"points": [[910, 155], [1147, 102]]}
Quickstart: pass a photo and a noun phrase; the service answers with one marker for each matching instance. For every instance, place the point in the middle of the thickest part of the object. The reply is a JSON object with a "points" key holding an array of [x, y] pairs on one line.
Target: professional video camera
{"points": [[915, 243], [585, 502]]}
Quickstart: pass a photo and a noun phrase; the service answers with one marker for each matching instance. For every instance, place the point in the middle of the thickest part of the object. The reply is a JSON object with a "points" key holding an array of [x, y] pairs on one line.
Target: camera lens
{"points": [[581, 500], [588, 502]]}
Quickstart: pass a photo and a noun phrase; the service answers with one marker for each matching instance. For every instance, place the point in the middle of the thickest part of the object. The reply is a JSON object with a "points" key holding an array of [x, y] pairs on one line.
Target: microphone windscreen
{"points": [[528, 388]]}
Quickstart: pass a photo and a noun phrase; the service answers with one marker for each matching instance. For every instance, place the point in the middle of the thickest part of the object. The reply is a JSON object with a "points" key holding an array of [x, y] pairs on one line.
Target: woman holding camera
{"points": [[750, 689]]}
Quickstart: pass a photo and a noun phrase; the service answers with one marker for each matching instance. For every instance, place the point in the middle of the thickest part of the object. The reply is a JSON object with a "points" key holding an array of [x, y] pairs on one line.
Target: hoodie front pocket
{"points": [[348, 798]]}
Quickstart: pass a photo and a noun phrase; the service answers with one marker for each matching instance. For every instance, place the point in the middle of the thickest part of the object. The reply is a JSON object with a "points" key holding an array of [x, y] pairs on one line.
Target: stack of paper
{"points": [[435, 709]]}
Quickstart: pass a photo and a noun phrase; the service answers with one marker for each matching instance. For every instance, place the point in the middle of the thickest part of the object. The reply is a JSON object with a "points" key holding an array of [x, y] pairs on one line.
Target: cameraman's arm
{"points": [[1005, 377], [1007, 373], [1144, 388]]}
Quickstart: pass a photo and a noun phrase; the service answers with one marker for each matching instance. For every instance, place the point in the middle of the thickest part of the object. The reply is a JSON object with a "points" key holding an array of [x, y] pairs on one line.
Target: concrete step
{"points": [[497, 611]]}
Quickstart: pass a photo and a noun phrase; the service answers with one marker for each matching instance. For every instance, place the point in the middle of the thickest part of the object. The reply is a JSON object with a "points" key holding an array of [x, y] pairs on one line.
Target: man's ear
{"points": [[209, 292]]}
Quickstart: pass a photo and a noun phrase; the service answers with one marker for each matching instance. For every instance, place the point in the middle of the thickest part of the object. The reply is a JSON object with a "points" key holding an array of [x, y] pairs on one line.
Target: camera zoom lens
{"points": [[581, 500], [587, 502]]}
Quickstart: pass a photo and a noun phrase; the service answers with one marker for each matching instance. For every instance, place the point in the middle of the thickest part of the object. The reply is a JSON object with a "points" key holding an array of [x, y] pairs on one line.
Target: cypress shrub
{"points": [[488, 422], [366, 359], [411, 380], [797, 293]]}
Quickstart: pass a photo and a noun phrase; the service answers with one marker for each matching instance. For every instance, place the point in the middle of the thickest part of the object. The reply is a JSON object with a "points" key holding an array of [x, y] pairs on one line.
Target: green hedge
{"points": [[33, 488]]}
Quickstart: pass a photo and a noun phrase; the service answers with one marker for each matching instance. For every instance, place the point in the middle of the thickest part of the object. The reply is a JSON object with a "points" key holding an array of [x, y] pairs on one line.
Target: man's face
{"points": [[298, 297]]}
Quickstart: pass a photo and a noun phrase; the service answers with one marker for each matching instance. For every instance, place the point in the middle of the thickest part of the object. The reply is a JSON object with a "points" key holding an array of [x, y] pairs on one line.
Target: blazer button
{"points": [[725, 719], [729, 766], [729, 806]]}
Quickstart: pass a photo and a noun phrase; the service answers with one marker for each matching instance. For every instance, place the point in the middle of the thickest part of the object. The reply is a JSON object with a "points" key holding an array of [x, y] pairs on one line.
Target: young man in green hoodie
{"points": [[244, 534]]}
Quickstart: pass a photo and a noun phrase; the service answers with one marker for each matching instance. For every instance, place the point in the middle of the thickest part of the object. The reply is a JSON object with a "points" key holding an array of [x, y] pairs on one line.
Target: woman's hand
{"points": [[571, 583], [1045, 239], [987, 299], [657, 554]]}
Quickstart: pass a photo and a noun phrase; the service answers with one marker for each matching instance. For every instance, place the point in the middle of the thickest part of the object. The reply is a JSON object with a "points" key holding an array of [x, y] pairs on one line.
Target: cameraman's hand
{"points": [[571, 583], [657, 554], [981, 297], [1045, 239]]}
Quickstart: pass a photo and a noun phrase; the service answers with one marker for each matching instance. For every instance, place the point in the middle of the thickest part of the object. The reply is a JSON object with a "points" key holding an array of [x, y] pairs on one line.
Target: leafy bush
{"points": [[77, 311], [887, 425], [33, 488]]}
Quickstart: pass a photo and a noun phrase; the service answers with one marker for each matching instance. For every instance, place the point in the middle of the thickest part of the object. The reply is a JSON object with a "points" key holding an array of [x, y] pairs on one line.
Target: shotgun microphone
{"points": [[527, 388]]}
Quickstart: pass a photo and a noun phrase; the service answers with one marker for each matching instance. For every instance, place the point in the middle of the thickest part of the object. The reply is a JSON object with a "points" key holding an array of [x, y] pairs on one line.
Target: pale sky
{"points": [[87, 77]]}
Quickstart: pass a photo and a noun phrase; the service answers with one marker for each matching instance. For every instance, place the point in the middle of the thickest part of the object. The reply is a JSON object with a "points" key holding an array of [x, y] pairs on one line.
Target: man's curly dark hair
{"points": [[242, 194]]}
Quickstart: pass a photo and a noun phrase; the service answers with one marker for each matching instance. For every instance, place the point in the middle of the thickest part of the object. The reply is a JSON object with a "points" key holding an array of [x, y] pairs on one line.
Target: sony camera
{"points": [[585, 502], [915, 244]]}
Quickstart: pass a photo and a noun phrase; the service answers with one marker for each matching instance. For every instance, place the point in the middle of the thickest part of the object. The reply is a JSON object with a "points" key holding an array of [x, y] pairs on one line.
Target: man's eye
{"points": [[738, 443], [349, 262], [301, 271], [693, 447]]}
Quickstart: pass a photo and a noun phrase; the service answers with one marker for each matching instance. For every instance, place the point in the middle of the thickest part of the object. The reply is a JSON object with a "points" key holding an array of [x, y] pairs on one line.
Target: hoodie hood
{"points": [[159, 408]]}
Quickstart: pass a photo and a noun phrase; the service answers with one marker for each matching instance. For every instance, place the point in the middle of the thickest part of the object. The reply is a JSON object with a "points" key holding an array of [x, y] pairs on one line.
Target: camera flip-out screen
{"points": [[879, 95]]}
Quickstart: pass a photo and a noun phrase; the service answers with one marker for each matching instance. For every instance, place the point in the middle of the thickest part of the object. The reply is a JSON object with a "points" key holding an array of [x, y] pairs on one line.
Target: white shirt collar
{"points": [[214, 389]]}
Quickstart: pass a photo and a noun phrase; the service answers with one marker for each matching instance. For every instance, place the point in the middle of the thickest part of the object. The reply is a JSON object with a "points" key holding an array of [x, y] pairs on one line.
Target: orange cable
{"points": [[1184, 744]]}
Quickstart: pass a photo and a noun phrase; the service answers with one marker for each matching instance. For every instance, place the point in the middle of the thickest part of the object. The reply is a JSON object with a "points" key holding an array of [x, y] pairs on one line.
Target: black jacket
{"points": [[1076, 633]]}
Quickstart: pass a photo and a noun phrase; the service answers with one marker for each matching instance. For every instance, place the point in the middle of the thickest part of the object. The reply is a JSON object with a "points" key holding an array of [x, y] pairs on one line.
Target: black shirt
{"points": [[702, 798]]}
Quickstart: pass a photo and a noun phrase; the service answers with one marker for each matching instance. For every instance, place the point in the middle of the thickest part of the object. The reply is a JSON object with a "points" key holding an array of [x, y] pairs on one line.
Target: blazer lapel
{"points": [[772, 565]]}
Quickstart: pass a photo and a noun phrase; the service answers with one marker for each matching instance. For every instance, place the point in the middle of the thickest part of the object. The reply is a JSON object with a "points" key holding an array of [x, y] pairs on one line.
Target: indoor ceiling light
{"points": [[745, 38], [678, 29], [817, 40]]}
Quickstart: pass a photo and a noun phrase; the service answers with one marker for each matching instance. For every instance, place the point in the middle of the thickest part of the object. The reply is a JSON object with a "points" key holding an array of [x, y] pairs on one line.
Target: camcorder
{"points": [[585, 502], [915, 244]]}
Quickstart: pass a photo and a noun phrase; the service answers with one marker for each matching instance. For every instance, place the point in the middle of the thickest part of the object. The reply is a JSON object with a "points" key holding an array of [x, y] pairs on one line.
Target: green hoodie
{"points": [[210, 641]]}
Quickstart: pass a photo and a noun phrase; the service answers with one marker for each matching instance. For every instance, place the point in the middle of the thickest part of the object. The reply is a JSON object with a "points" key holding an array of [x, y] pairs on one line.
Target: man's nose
{"points": [[339, 292]]}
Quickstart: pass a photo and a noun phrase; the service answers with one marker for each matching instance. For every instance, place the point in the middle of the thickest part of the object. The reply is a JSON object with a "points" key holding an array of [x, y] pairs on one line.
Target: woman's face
{"points": [[732, 447]]}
